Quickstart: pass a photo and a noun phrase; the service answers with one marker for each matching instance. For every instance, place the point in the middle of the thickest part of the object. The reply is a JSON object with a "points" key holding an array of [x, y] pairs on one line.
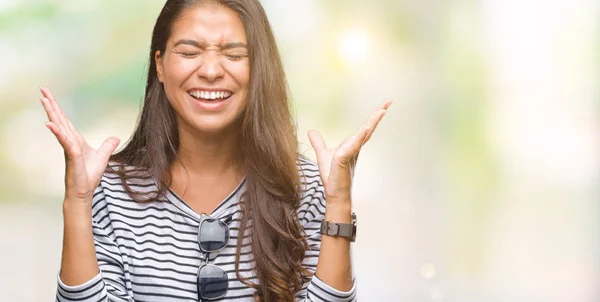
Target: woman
{"points": [[215, 136]]}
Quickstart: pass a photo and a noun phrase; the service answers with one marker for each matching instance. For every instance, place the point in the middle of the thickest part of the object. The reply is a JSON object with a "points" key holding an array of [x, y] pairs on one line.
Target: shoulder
{"points": [[115, 172], [136, 178], [112, 190]]}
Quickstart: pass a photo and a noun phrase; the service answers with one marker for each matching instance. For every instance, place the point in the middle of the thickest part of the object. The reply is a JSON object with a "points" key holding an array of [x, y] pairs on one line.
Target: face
{"points": [[205, 68]]}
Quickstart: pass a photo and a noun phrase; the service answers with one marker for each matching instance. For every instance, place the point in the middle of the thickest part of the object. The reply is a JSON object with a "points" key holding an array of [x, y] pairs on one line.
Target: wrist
{"points": [[338, 199], [338, 212], [77, 200], [339, 227], [77, 206]]}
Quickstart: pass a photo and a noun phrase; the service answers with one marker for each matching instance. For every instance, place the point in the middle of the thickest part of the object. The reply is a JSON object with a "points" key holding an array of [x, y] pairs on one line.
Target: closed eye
{"points": [[188, 55], [235, 57]]}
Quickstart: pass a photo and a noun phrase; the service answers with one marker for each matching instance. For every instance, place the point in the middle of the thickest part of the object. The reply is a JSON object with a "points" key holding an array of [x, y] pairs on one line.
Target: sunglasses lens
{"points": [[213, 235], [212, 282]]}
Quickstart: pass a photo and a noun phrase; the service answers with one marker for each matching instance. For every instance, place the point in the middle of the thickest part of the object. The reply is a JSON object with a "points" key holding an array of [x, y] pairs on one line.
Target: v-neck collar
{"points": [[216, 213]]}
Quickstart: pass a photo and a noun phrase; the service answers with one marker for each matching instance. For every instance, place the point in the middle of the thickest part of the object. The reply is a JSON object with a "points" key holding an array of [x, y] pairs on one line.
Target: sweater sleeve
{"points": [[109, 284], [311, 212]]}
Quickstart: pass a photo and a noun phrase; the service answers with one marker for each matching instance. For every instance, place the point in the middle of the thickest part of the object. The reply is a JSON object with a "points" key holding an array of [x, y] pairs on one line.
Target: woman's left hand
{"points": [[336, 166]]}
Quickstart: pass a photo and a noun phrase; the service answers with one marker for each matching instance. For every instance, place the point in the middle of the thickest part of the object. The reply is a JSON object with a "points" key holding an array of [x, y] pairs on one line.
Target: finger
{"points": [[351, 146], [63, 140], [386, 104], [364, 141], [349, 150], [109, 146], [316, 141], [53, 116], [381, 108], [374, 125], [58, 117], [48, 108], [51, 112], [69, 124], [60, 114], [359, 141], [51, 100], [376, 116], [363, 137]]}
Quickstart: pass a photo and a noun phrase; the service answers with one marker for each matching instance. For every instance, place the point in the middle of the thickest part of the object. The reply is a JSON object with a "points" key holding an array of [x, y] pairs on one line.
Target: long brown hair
{"points": [[268, 145]]}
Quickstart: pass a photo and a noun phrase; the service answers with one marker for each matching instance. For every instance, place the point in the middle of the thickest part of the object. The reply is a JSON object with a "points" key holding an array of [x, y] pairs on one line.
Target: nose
{"points": [[210, 67]]}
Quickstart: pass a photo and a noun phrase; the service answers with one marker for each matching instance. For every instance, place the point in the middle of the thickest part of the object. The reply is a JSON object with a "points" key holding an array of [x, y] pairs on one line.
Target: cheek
{"points": [[177, 70], [241, 74]]}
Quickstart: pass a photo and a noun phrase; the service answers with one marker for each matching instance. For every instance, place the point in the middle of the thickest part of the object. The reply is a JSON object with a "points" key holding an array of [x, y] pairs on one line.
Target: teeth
{"points": [[209, 95]]}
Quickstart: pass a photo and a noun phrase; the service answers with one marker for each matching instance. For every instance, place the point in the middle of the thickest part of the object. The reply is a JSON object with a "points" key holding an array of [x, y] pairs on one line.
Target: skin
{"points": [[184, 66], [336, 166], [206, 49], [207, 144]]}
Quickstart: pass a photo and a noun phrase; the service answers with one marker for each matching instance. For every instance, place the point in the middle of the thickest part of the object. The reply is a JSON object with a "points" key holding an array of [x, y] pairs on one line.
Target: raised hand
{"points": [[84, 164], [336, 166]]}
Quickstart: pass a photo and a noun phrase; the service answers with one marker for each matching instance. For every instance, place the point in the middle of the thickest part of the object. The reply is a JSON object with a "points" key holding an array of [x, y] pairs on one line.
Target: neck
{"points": [[208, 154]]}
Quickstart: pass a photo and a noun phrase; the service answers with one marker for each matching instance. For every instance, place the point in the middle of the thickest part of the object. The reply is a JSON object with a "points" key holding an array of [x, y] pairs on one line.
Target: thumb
{"points": [[316, 140], [109, 146]]}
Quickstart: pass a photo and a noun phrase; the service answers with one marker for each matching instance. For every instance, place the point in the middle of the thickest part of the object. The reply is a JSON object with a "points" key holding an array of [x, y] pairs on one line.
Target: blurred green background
{"points": [[481, 184]]}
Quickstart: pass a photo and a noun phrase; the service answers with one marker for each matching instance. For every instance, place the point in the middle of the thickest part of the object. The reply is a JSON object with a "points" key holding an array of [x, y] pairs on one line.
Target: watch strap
{"points": [[336, 229]]}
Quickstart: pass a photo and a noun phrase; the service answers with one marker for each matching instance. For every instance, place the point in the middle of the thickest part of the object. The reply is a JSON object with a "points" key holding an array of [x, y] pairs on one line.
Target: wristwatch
{"points": [[335, 229]]}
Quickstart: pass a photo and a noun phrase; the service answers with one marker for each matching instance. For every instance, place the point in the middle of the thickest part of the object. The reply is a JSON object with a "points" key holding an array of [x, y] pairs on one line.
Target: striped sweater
{"points": [[150, 252]]}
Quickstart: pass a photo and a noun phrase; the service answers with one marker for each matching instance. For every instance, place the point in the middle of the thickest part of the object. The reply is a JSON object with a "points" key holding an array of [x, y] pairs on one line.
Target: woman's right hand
{"points": [[84, 164]]}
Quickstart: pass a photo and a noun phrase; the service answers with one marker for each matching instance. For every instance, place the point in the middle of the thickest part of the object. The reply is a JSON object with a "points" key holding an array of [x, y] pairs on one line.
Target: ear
{"points": [[159, 66]]}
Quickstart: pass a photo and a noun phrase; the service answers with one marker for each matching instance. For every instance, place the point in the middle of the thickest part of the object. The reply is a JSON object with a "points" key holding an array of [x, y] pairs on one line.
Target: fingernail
{"points": [[41, 87]]}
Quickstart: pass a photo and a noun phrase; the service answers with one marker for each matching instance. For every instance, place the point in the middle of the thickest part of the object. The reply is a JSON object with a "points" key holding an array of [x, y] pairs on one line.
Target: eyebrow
{"points": [[204, 45]]}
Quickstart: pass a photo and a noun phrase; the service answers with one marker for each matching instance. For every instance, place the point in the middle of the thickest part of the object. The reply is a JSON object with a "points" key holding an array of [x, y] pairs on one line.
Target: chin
{"points": [[212, 125]]}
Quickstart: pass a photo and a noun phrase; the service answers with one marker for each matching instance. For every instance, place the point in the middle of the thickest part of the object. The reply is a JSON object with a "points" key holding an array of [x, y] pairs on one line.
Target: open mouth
{"points": [[210, 96]]}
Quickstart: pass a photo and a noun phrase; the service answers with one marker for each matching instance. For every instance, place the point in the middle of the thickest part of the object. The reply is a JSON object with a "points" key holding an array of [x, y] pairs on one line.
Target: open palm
{"points": [[336, 165], [84, 164]]}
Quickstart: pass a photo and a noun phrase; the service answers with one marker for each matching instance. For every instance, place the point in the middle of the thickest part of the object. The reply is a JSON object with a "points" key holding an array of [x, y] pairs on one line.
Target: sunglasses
{"points": [[213, 235]]}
